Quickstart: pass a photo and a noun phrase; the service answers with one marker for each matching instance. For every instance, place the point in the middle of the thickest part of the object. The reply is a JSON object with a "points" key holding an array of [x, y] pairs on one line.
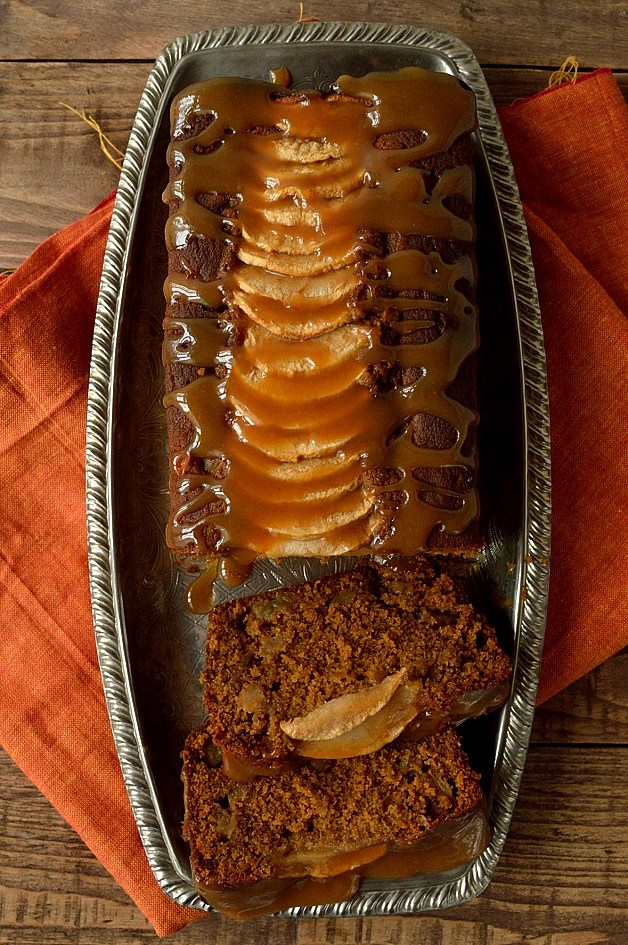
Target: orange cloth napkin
{"points": [[53, 719], [568, 147], [568, 150]]}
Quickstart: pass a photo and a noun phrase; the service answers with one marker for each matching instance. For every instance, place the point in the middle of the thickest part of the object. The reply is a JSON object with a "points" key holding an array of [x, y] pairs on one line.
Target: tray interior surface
{"points": [[163, 641]]}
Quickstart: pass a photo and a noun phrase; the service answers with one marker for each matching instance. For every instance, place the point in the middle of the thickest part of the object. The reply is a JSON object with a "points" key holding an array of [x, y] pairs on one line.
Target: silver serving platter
{"points": [[150, 646]]}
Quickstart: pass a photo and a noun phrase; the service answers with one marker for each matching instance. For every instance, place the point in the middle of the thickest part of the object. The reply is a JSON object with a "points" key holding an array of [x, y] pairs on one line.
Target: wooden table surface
{"points": [[563, 878]]}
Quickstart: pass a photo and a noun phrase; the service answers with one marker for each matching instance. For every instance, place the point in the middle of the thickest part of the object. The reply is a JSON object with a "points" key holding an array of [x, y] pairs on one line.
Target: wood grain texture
{"points": [[533, 33], [44, 144], [593, 710], [562, 880]]}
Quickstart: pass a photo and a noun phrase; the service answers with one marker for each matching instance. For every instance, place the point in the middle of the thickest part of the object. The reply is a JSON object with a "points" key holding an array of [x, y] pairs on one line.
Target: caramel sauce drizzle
{"points": [[288, 408]]}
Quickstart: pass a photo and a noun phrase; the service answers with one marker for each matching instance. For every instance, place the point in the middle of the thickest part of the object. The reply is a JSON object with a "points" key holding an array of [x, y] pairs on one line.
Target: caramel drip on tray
{"points": [[306, 313]]}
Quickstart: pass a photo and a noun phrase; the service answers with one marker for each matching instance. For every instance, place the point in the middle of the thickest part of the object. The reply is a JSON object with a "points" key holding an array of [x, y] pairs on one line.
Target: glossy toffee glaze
{"points": [[300, 315], [449, 845]]}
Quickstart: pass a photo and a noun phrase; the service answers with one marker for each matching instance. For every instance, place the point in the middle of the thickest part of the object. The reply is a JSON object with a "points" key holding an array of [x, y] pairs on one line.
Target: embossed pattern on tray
{"points": [[150, 648]]}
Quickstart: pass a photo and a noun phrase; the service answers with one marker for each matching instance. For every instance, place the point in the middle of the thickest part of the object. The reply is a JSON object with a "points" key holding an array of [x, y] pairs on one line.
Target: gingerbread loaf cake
{"points": [[320, 320], [307, 836], [343, 665]]}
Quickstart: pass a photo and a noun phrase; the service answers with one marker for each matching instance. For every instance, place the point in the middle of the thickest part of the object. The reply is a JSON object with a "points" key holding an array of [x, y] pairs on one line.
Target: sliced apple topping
{"points": [[358, 722], [334, 718], [374, 732]]}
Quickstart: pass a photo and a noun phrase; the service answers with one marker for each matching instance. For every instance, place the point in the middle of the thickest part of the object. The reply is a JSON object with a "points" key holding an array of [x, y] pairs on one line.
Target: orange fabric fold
{"points": [[53, 718], [568, 147], [568, 151]]}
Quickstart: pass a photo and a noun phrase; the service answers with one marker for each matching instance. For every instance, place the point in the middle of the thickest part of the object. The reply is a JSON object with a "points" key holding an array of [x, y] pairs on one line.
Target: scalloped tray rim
{"points": [[530, 608]]}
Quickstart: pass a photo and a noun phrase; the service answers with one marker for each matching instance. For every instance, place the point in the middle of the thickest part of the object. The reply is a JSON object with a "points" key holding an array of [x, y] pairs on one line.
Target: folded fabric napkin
{"points": [[568, 147], [53, 719]]}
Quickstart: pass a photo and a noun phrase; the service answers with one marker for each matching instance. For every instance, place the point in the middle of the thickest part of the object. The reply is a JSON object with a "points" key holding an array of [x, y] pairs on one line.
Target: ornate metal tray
{"points": [[150, 647]]}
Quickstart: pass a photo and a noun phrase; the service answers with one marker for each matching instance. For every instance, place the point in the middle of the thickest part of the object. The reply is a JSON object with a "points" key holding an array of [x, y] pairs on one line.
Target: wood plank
{"points": [[532, 33], [52, 168], [593, 709], [562, 879], [510, 84]]}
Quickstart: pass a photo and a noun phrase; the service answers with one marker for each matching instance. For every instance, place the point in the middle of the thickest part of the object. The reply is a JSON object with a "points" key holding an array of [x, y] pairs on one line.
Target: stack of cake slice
{"points": [[328, 751]]}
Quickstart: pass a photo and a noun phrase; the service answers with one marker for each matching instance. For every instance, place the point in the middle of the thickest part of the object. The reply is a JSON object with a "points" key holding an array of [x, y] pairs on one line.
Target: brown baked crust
{"points": [[276, 656]]}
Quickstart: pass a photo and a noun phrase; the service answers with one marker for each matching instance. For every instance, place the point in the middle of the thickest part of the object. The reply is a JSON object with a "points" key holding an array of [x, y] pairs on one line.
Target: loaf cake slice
{"points": [[320, 324], [343, 665], [305, 837]]}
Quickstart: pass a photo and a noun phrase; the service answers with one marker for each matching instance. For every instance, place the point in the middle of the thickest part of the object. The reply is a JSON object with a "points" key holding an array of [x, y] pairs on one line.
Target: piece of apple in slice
{"points": [[326, 861], [359, 722]]}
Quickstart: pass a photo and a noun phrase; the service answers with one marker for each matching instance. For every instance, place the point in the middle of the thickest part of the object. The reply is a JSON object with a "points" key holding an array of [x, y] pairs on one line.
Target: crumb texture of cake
{"points": [[343, 665], [320, 323], [329, 821]]}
